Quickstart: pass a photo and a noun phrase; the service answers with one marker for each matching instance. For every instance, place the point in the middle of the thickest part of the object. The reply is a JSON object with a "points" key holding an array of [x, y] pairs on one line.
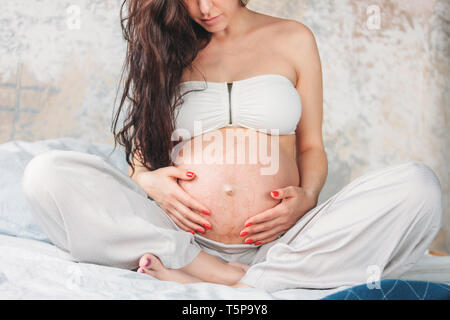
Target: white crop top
{"points": [[261, 103]]}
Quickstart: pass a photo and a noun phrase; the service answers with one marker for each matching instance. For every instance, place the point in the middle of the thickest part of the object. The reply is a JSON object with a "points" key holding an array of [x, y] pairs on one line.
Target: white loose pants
{"points": [[382, 222]]}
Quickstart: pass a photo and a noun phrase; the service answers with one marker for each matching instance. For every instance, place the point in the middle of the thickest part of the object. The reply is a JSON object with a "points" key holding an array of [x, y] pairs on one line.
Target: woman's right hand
{"points": [[162, 186]]}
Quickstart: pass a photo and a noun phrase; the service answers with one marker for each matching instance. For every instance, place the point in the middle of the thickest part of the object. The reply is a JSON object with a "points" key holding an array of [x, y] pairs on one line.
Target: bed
{"points": [[31, 267]]}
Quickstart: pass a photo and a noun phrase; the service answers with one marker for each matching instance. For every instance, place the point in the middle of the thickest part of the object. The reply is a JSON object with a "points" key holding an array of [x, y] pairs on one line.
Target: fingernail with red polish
{"points": [[206, 212], [244, 233], [248, 224], [190, 174], [207, 226], [248, 241], [275, 193], [191, 231], [257, 243], [200, 230]]}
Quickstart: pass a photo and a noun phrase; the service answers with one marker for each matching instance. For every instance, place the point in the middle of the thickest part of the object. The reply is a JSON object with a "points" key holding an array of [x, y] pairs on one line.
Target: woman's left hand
{"points": [[270, 224]]}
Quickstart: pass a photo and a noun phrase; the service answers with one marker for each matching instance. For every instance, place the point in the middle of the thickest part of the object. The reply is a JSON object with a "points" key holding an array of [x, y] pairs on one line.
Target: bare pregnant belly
{"points": [[230, 182]]}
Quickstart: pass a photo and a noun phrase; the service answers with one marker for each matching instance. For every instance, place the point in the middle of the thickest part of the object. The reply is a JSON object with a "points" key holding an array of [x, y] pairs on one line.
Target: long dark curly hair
{"points": [[162, 40]]}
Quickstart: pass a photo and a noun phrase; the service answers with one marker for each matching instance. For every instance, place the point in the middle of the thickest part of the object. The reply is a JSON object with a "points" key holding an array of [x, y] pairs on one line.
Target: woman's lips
{"points": [[212, 20]]}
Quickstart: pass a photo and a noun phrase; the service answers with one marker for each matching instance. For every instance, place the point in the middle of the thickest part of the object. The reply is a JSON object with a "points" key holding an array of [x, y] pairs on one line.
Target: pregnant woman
{"points": [[224, 130]]}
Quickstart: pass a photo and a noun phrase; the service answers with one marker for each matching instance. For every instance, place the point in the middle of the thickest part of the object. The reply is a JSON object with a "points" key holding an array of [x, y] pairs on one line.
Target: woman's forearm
{"points": [[137, 171], [138, 166], [313, 168]]}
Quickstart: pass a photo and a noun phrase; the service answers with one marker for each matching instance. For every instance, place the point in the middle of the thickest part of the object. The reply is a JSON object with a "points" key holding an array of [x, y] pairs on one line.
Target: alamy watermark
{"points": [[374, 17], [73, 21], [235, 140]]}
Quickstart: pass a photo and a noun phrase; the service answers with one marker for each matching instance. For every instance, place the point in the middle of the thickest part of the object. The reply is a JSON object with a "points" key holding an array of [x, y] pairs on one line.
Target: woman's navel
{"points": [[228, 189]]}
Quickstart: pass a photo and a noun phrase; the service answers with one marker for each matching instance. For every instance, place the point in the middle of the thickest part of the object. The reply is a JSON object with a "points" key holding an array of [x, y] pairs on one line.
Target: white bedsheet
{"points": [[32, 269]]}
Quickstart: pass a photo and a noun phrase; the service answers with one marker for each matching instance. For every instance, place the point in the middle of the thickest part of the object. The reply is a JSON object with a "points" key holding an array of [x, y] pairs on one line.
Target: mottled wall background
{"points": [[385, 67]]}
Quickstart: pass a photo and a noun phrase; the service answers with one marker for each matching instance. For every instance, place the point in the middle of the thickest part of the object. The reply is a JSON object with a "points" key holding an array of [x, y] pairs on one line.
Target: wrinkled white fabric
{"points": [[32, 269]]}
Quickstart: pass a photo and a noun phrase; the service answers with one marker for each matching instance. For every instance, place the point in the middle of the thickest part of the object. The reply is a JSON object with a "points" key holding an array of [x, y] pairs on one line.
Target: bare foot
{"points": [[240, 265], [243, 267], [240, 285], [151, 265]]}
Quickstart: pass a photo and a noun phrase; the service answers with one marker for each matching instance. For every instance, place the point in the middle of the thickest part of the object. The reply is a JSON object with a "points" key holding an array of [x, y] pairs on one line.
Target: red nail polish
{"points": [[257, 243], [190, 174], [275, 193], [206, 212], [248, 241], [243, 234], [200, 230], [207, 226], [248, 224], [191, 231]]}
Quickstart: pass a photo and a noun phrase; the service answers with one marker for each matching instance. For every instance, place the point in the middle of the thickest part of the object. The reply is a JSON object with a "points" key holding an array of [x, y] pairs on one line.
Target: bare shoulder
{"points": [[295, 35], [287, 29], [297, 44], [290, 36]]}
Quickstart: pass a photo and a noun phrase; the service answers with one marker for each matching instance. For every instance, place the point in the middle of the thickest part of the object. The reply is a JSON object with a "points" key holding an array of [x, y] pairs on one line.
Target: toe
{"points": [[140, 270], [145, 261], [150, 262], [147, 272]]}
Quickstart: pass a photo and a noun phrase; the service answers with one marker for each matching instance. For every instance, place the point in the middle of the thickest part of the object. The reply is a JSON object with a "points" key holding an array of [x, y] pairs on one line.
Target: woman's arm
{"points": [[310, 151], [313, 168], [138, 167]]}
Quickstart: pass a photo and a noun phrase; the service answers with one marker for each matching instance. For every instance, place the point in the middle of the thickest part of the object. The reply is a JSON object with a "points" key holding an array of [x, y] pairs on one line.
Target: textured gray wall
{"points": [[386, 88]]}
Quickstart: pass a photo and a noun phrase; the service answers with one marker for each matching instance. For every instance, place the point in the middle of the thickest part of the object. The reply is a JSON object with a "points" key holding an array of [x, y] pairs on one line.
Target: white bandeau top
{"points": [[261, 103]]}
